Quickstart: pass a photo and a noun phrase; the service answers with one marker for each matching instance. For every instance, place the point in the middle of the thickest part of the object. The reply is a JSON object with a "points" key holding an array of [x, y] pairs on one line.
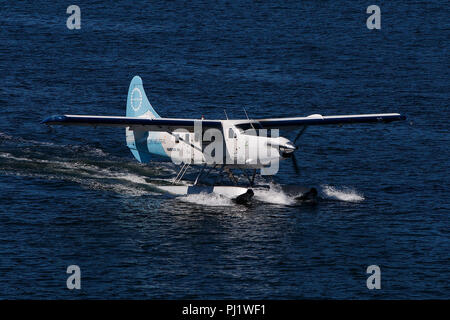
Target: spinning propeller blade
{"points": [[295, 164], [299, 134], [293, 158]]}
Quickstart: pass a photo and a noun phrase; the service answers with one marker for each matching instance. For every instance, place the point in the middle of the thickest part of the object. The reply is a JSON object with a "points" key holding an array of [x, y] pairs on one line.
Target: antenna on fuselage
{"points": [[225, 111], [249, 119]]}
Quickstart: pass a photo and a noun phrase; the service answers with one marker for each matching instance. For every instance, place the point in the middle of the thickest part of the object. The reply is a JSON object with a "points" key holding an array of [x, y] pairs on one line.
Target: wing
{"points": [[169, 124], [158, 124], [317, 119]]}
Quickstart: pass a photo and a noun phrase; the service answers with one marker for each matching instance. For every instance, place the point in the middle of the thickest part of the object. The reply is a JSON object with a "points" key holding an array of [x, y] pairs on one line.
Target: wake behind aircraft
{"points": [[223, 145]]}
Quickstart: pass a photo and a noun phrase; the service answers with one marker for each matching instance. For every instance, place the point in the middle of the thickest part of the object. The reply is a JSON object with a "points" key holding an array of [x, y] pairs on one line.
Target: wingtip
{"points": [[53, 119]]}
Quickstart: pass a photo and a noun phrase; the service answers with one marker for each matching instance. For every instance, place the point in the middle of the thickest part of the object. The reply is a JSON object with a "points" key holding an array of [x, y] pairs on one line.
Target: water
{"points": [[76, 196]]}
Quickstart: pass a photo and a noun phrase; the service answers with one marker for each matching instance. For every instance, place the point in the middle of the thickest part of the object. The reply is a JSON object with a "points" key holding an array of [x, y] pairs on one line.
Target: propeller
{"points": [[295, 164], [299, 134], [293, 158]]}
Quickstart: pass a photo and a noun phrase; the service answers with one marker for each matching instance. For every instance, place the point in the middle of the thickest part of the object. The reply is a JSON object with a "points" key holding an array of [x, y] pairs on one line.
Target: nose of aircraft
{"points": [[287, 148], [289, 145]]}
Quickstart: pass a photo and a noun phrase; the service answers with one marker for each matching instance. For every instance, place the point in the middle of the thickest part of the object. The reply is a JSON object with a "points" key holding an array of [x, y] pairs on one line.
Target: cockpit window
{"points": [[253, 129], [247, 126]]}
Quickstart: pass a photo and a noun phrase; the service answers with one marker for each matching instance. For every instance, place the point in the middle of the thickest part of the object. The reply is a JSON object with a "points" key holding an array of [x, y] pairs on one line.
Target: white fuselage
{"points": [[237, 145]]}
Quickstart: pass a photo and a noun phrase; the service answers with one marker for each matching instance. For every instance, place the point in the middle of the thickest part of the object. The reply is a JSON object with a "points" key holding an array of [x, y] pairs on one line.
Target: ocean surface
{"points": [[76, 196]]}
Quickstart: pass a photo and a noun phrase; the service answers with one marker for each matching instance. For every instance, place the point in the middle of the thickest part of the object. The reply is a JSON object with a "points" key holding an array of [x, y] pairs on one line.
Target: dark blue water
{"points": [[76, 196]]}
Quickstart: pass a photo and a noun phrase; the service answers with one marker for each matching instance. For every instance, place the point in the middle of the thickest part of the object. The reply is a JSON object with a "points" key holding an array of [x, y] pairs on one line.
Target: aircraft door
{"points": [[231, 143]]}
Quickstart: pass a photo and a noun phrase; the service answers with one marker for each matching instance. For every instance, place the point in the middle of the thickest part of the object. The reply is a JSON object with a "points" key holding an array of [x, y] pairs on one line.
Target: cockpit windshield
{"points": [[253, 129]]}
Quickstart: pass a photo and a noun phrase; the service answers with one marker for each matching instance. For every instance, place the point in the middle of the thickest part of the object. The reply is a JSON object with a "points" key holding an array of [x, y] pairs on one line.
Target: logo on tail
{"points": [[136, 99]]}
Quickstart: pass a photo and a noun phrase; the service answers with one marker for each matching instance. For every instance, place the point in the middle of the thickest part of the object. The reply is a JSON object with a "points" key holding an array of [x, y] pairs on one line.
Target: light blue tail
{"points": [[137, 102], [138, 105]]}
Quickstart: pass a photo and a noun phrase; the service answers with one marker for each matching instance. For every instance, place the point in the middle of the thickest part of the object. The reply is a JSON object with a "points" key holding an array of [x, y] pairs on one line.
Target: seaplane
{"points": [[225, 146]]}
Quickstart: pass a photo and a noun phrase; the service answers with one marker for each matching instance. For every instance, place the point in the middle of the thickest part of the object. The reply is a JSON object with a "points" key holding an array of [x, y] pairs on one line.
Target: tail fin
{"points": [[137, 102], [139, 106]]}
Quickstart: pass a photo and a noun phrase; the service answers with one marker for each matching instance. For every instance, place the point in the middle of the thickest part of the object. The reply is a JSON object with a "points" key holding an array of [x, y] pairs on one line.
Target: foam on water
{"points": [[19, 142], [91, 176], [342, 194], [273, 195], [207, 199]]}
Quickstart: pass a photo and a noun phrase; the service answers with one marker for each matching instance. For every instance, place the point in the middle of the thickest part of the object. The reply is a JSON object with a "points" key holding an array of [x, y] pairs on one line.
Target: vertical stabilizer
{"points": [[137, 101]]}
